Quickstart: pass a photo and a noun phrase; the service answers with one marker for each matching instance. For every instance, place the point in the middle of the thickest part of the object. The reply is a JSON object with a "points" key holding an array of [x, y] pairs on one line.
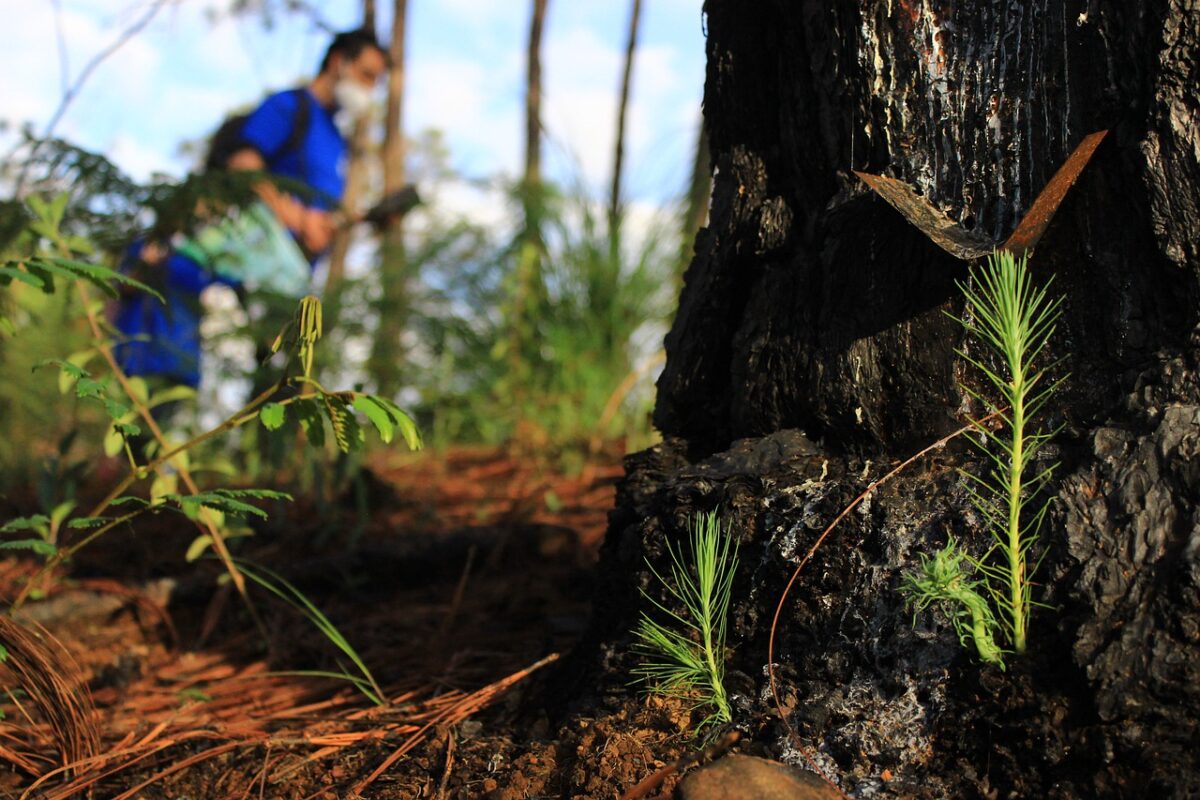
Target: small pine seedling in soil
{"points": [[1013, 319], [684, 657]]}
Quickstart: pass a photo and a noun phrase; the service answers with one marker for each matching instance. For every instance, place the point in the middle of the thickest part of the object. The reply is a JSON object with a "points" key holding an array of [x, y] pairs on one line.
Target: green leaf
{"points": [[173, 394], [8, 272], [39, 546], [127, 429], [78, 363], [103, 277], [312, 420], [130, 500], [271, 415], [37, 204], [226, 501], [83, 523], [81, 245], [115, 409], [193, 695], [114, 442], [60, 512], [346, 430], [57, 208], [408, 428], [379, 415], [139, 389], [196, 549], [36, 522]]}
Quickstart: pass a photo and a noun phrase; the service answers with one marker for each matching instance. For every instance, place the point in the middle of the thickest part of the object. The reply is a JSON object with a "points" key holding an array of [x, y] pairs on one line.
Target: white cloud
{"points": [[466, 101]]}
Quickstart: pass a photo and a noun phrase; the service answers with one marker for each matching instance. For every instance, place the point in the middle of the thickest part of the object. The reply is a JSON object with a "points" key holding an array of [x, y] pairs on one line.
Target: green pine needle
{"points": [[684, 655]]}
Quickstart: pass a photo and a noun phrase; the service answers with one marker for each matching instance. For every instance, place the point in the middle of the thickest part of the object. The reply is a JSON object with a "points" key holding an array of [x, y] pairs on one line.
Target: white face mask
{"points": [[352, 97]]}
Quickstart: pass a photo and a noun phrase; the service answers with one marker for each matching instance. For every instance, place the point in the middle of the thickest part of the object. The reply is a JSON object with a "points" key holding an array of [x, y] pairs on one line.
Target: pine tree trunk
{"points": [[614, 203], [386, 364], [695, 213], [533, 96], [814, 349], [812, 303], [357, 171]]}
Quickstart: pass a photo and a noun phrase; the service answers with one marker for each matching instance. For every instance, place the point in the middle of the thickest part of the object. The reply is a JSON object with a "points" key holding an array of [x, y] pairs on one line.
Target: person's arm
{"points": [[312, 226], [266, 131]]}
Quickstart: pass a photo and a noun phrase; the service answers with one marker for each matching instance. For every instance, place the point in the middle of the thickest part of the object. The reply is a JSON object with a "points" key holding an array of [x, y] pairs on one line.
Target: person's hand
{"points": [[316, 230]]}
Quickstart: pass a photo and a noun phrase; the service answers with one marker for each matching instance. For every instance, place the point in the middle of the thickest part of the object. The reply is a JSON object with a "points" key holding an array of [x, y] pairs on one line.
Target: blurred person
{"points": [[298, 135], [161, 340], [342, 93], [295, 135]]}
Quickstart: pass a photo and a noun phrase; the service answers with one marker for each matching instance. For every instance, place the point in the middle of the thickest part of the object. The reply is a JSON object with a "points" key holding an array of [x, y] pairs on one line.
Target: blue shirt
{"points": [[317, 161], [168, 334]]}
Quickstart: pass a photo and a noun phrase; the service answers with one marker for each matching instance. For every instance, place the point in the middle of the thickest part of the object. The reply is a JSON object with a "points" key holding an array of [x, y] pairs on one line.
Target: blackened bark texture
{"points": [[811, 303], [812, 352]]}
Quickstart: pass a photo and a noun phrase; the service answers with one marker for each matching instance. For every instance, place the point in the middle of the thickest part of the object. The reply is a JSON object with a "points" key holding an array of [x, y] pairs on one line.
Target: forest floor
{"points": [[470, 578]]}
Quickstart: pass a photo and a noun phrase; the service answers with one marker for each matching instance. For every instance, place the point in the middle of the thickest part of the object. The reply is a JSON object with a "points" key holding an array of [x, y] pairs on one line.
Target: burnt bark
{"points": [[814, 348], [812, 304]]}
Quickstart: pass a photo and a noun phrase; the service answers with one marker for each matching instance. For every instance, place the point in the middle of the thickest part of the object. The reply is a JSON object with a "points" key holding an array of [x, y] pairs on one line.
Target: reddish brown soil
{"points": [[470, 569]]}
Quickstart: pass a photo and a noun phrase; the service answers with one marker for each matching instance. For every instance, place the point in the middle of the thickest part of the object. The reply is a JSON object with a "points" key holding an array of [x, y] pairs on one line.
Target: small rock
{"points": [[738, 777]]}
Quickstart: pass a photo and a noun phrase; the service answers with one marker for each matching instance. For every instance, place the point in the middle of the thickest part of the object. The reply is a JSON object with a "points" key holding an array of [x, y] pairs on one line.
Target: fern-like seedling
{"points": [[684, 655]]}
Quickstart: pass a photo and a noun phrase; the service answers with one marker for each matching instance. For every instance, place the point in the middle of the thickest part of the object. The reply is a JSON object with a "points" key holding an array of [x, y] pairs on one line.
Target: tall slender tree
{"points": [[387, 355], [614, 204], [527, 283], [533, 97], [695, 212], [357, 173]]}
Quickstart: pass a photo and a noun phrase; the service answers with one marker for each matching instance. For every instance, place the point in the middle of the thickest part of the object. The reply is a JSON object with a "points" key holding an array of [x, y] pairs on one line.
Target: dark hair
{"points": [[349, 44]]}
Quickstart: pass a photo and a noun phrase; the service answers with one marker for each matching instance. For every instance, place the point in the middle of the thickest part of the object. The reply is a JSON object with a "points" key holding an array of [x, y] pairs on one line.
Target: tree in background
{"points": [[614, 203], [387, 362], [357, 175]]}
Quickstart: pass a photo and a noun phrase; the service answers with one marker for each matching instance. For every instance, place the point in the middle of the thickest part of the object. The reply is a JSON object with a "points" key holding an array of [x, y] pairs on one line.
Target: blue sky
{"points": [[466, 67]]}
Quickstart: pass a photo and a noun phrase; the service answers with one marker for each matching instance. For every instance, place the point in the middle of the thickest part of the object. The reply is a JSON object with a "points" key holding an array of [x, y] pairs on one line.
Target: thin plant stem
{"points": [[903, 465]]}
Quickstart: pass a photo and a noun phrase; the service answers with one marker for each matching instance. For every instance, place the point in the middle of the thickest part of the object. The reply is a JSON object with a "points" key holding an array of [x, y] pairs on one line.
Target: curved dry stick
{"points": [[939, 444]]}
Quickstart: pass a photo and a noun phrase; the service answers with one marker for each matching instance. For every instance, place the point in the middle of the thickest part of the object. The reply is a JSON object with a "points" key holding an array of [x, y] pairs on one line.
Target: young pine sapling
{"points": [[1014, 320]]}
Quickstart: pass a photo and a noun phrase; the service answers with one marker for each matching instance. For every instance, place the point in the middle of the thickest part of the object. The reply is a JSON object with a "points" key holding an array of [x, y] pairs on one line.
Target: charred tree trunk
{"points": [[695, 213], [808, 295], [814, 348]]}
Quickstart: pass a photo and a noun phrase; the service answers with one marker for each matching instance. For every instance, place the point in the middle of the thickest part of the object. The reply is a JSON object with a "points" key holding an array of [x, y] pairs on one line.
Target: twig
{"points": [[218, 540], [459, 591], [441, 792], [469, 704], [656, 779], [64, 67], [73, 91], [939, 444]]}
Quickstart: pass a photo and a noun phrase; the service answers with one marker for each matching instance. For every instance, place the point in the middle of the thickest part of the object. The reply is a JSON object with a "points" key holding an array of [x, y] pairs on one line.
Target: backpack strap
{"points": [[301, 122]]}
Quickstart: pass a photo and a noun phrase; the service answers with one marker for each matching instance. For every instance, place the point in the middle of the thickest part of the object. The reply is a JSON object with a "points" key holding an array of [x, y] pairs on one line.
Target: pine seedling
{"points": [[684, 656], [1013, 319], [941, 580]]}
